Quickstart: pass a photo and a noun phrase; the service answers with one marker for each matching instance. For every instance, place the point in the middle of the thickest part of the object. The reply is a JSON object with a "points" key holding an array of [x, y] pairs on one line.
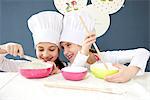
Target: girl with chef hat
{"points": [[46, 27], [76, 43]]}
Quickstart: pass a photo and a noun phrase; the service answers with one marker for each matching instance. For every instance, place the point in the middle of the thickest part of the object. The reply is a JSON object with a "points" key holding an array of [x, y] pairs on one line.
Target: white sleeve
{"points": [[80, 60], [136, 57], [9, 64]]}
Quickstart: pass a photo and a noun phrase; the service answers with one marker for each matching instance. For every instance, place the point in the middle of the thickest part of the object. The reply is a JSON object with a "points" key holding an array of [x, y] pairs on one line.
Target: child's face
{"points": [[47, 51], [70, 50]]}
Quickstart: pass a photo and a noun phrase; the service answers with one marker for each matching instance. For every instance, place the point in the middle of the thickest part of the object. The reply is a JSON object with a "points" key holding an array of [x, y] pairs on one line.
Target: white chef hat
{"points": [[73, 30], [46, 26]]}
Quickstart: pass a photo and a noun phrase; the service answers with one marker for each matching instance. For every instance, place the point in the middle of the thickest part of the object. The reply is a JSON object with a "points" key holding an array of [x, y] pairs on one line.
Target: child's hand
{"points": [[55, 69], [87, 43], [125, 74], [13, 49]]}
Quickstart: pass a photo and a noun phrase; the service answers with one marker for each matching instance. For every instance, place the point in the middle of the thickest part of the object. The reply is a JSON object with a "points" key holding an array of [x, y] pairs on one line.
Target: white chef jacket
{"points": [[135, 57]]}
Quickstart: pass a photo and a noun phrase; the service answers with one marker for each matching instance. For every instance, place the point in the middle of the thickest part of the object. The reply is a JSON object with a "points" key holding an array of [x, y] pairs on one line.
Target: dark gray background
{"points": [[129, 27]]}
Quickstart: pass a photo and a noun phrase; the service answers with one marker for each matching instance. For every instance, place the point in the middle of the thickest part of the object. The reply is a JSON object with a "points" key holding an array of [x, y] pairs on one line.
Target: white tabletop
{"points": [[13, 86]]}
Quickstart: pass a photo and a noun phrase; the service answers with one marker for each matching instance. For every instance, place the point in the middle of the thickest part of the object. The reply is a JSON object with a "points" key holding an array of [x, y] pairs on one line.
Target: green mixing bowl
{"points": [[99, 71]]}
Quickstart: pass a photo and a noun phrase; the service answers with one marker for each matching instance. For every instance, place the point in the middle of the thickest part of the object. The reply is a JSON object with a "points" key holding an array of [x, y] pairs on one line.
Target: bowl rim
{"points": [[47, 65], [81, 71], [103, 68], [35, 68]]}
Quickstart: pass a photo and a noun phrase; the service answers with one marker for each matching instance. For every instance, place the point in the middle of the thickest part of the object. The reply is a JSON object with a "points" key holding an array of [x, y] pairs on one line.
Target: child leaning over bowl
{"points": [[76, 46], [46, 28]]}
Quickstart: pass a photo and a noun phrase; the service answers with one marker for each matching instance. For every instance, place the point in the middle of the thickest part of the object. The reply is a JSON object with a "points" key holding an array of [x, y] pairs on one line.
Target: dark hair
{"points": [[92, 50], [59, 63]]}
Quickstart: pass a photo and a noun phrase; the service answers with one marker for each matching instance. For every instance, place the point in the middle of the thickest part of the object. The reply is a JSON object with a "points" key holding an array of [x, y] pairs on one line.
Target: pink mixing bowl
{"points": [[74, 73], [36, 70]]}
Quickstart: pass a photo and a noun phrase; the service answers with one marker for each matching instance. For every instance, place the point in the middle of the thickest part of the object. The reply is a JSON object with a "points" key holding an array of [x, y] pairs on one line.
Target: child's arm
{"points": [[87, 43], [136, 58], [83, 55], [13, 49]]}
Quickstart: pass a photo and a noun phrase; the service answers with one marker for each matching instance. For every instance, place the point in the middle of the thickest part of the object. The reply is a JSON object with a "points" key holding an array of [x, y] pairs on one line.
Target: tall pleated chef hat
{"points": [[73, 30], [46, 26]]}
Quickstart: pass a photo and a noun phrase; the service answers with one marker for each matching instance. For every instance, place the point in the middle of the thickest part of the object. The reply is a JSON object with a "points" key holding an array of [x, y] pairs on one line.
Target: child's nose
{"points": [[45, 54], [66, 51]]}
